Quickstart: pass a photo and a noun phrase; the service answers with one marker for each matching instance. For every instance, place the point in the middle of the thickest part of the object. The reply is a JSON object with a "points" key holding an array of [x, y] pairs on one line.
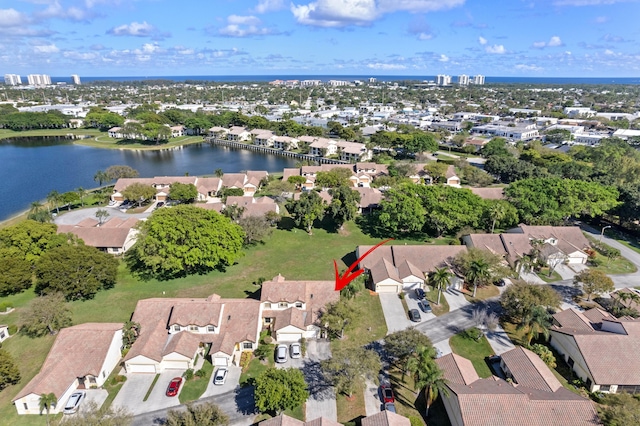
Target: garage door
{"points": [[221, 360], [386, 288], [175, 365], [141, 368], [289, 337], [574, 260]]}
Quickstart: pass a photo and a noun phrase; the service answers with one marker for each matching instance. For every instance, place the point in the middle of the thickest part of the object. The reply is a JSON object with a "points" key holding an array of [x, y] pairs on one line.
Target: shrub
{"points": [[13, 329], [268, 340], [5, 306], [118, 379], [188, 375], [303, 346], [264, 351], [200, 373], [416, 421], [245, 359]]}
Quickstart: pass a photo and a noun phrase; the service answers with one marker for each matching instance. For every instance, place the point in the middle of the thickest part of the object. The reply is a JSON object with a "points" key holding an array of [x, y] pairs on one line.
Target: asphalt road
{"points": [[238, 404]]}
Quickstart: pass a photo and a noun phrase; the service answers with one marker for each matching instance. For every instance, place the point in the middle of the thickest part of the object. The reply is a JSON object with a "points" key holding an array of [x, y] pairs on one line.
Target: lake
{"points": [[31, 167]]}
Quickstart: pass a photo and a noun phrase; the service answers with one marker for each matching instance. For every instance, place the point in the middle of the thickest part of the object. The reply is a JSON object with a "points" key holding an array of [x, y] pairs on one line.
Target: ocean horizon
{"points": [[380, 78]]}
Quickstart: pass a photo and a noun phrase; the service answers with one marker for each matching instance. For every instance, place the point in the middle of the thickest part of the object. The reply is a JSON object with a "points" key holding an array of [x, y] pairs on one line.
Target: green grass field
{"points": [[194, 388], [474, 350], [7, 134]]}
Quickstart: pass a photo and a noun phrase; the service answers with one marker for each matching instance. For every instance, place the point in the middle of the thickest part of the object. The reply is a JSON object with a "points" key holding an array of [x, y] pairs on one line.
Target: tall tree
{"points": [[138, 193], [537, 322], [17, 273], [45, 314], [30, 239], [349, 366], [402, 344], [47, 400], [184, 240], [130, 333], [54, 199], [81, 194], [183, 192], [478, 273], [77, 271], [92, 415], [38, 212], [101, 177], [102, 215], [427, 375], [593, 282], [520, 298], [440, 279], [9, 372], [207, 414], [277, 390], [306, 210], [344, 204], [117, 172]]}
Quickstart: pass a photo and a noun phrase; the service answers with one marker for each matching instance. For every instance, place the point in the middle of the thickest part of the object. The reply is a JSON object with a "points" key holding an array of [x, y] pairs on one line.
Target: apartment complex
{"points": [[12, 79]]}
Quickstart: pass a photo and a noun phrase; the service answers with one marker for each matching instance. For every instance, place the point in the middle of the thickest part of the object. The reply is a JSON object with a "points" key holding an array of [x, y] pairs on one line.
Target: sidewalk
{"points": [[455, 299]]}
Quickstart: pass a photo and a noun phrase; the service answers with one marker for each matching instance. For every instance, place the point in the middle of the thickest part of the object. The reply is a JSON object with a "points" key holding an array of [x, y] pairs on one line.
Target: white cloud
{"points": [[525, 67], [342, 13], [425, 36], [12, 18], [601, 19], [265, 6], [482, 40], [243, 26], [135, 29], [609, 52], [55, 10], [444, 58], [48, 48], [497, 49], [382, 66], [554, 41]]}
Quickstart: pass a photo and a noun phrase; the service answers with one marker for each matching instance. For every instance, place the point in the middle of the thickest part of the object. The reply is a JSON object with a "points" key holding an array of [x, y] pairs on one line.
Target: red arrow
{"points": [[341, 282]]}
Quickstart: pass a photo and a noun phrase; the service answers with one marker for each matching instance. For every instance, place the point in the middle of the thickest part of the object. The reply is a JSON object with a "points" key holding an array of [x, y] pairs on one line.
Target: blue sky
{"points": [[546, 38]]}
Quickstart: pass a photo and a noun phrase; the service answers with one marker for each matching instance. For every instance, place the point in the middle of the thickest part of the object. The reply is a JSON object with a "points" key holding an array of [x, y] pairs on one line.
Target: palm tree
{"points": [[47, 401], [101, 177], [426, 374], [478, 273], [497, 212], [440, 279], [538, 321], [81, 193], [54, 198], [218, 173]]}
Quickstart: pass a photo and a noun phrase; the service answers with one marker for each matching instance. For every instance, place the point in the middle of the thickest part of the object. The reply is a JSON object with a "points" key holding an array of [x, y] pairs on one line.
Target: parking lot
{"points": [[135, 388]]}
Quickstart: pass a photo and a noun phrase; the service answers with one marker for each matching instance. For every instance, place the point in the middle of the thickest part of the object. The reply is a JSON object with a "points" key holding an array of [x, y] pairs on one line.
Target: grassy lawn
{"points": [[297, 413], [194, 388], [369, 325], [153, 384], [432, 296], [482, 293], [614, 266], [409, 402], [544, 275], [104, 141], [351, 410], [633, 246], [7, 134], [474, 350], [255, 368], [112, 386]]}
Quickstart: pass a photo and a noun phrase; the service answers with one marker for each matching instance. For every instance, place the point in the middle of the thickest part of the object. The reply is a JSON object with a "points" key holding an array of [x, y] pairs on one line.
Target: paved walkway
{"points": [[531, 278], [455, 299], [443, 348], [372, 402]]}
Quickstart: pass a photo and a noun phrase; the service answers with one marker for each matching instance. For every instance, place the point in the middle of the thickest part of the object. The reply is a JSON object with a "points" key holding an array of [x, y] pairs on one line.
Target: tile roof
{"points": [[491, 242], [457, 369], [527, 369], [195, 313], [385, 418], [100, 237], [369, 197], [284, 420], [77, 351], [384, 270]]}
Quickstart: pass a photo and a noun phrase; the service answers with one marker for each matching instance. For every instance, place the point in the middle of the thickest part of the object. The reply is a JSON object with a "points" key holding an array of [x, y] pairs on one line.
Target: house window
{"points": [[193, 328], [570, 362], [2, 334], [92, 380], [211, 329], [26, 407], [298, 304], [176, 327], [247, 346], [104, 374], [605, 388], [283, 305], [267, 320]]}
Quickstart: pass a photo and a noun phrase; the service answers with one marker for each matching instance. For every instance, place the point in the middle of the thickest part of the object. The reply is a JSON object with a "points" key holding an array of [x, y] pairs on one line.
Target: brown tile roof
{"points": [[457, 369], [517, 245], [218, 207], [570, 238], [195, 313], [572, 320], [322, 421], [425, 258], [184, 343], [287, 173], [282, 420], [489, 193], [385, 418], [527, 369], [384, 270], [77, 351], [491, 242], [98, 237], [233, 180], [207, 185], [369, 197], [292, 316]]}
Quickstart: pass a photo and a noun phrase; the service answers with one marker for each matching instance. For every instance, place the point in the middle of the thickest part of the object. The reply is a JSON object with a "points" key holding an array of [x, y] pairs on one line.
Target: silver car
{"points": [[281, 353], [74, 402], [220, 376], [295, 350]]}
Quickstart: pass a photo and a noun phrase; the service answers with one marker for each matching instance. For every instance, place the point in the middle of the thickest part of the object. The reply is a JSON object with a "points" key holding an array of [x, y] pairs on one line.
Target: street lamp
{"points": [[602, 232]]}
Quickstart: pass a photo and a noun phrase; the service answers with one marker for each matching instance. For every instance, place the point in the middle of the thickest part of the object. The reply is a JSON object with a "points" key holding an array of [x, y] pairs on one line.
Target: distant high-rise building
{"points": [[76, 79], [463, 80], [443, 80], [478, 79], [39, 79], [12, 79], [372, 79]]}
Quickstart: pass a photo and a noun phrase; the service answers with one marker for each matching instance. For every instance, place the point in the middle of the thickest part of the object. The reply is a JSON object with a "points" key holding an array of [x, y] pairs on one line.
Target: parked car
{"points": [[390, 407], [281, 353], [414, 315], [160, 204], [503, 282], [424, 306], [74, 402], [295, 350], [174, 386], [420, 293], [387, 393], [221, 376]]}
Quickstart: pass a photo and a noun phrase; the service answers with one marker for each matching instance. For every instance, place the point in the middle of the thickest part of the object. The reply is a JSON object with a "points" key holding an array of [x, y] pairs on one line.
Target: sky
{"points": [[114, 38]]}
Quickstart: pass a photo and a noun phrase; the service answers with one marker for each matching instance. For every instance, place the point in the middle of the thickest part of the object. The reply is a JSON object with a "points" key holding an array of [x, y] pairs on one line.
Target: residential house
{"points": [[518, 133], [263, 137], [162, 185], [601, 349], [249, 182], [370, 199], [174, 331], [253, 206], [177, 131], [385, 418], [451, 178], [218, 132], [4, 333], [394, 268], [477, 143], [291, 308], [116, 132], [238, 134], [353, 151], [489, 193], [115, 236], [284, 420], [82, 356], [532, 395], [285, 143]]}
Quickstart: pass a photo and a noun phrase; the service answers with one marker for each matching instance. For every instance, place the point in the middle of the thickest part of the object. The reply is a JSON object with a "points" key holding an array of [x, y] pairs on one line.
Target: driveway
{"points": [[394, 314], [455, 299], [565, 272], [76, 216], [412, 302], [531, 278], [135, 388], [322, 397], [372, 401], [233, 379]]}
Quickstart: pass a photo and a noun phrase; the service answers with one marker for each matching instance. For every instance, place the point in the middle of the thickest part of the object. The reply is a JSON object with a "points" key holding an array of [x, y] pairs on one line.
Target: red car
{"points": [[387, 393], [174, 386]]}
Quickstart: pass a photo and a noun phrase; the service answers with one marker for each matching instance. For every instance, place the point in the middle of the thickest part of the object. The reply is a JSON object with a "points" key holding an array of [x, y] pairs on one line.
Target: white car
{"points": [[295, 350], [281, 353], [221, 376], [74, 402]]}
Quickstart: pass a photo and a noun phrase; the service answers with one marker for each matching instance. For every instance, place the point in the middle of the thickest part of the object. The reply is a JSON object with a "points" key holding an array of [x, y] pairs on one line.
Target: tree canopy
{"points": [[9, 372], [138, 192], [307, 209], [183, 192], [520, 298], [349, 366], [592, 281], [45, 314], [184, 240], [117, 172], [30, 239], [278, 389], [344, 204], [77, 271], [401, 344], [207, 414]]}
